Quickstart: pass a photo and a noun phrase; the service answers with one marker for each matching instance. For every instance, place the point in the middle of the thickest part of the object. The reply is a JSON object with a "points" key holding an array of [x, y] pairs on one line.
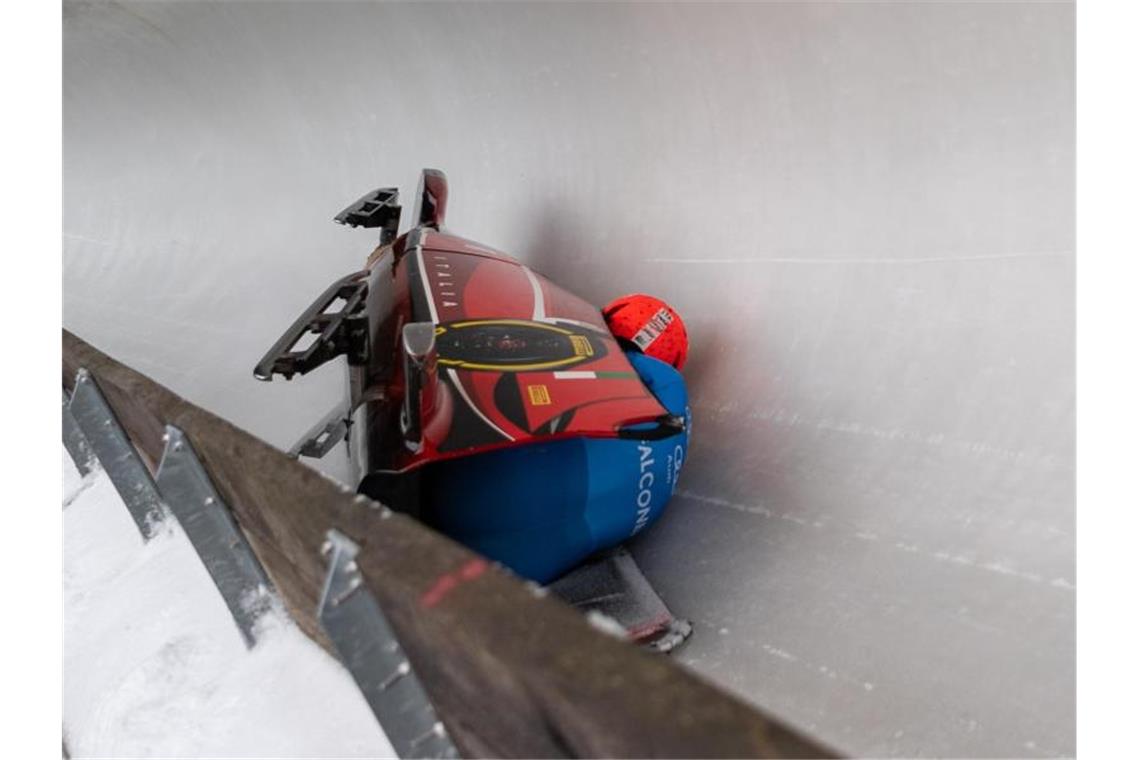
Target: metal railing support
{"points": [[116, 454], [74, 441], [190, 495], [369, 649]]}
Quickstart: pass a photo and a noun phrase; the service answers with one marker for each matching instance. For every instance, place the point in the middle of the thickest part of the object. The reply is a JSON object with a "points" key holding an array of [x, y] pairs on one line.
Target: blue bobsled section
{"points": [[542, 509]]}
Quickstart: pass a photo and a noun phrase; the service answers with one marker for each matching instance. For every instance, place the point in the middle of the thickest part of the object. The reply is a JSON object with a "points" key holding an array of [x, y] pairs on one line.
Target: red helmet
{"points": [[650, 324]]}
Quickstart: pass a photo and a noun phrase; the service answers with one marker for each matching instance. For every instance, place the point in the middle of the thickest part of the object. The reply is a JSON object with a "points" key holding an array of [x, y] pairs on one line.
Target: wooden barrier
{"points": [[511, 672]]}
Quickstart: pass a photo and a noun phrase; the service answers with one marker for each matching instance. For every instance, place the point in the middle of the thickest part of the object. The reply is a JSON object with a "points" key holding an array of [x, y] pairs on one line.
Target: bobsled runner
{"points": [[496, 407]]}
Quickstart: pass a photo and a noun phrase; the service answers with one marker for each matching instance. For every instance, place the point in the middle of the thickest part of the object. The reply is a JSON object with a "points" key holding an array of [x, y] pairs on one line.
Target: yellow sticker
{"points": [[581, 345], [539, 396]]}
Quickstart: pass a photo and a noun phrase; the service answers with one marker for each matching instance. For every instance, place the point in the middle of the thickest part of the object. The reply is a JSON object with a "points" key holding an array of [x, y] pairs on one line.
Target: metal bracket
{"points": [[379, 208], [613, 585], [74, 441], [324, 436], [421, 379], [115, 452], [189, 494], [344, 331], [369, 649]]}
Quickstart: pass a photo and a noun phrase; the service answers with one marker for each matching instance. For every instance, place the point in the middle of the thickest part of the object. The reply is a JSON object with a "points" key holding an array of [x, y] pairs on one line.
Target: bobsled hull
{"points": [[488, 401], [518, 359]]}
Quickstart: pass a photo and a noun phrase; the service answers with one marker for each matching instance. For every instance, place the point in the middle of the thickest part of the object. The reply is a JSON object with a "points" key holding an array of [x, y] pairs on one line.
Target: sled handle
{"points": [[342, 332], [421, 378]]}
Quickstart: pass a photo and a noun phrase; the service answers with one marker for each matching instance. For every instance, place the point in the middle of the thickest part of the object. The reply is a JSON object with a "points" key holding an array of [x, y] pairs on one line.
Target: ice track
{"points": [[863, 211]]}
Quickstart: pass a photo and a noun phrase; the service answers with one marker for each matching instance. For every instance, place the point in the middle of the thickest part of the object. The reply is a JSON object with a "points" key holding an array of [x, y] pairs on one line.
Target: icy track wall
{"points": [[864, 212]]}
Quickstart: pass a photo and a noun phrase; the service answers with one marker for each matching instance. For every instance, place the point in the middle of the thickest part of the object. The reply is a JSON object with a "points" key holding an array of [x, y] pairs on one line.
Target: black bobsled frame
{"points": [[340, 332], [379, 208]]}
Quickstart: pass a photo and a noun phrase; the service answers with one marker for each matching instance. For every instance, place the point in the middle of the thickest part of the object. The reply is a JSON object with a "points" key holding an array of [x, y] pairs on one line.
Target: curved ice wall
{"points": [[864, 212]]}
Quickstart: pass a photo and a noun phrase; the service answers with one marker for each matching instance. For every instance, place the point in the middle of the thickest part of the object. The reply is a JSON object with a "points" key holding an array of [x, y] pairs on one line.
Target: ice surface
{"points": [[154, 665], [864, 212]]}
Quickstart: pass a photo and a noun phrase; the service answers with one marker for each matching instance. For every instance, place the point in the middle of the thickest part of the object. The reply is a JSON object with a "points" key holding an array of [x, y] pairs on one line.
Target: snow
{"points": [[154, 665]]}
